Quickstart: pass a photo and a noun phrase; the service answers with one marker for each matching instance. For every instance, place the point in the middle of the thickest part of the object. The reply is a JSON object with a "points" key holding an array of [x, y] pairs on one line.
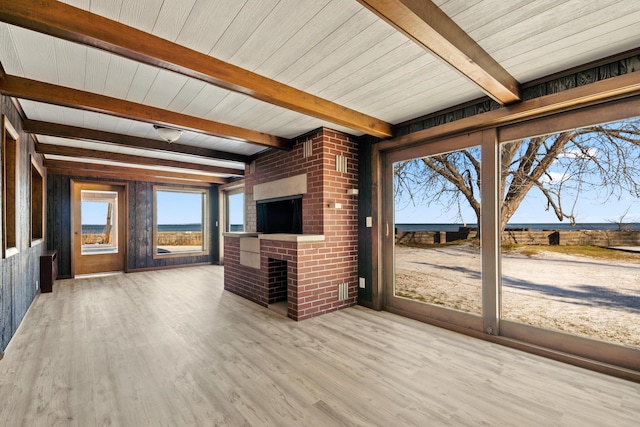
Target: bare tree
{"points": [[621, 220], [598, 160]]}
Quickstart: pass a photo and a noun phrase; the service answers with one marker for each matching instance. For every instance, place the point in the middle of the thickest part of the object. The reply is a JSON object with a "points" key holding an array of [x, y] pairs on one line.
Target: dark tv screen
{"points": [[281, 215]]}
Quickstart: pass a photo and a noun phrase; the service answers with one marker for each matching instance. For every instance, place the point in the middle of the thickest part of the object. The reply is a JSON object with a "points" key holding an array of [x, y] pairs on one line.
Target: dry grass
{"points": [[590, 251], [596, 252]]}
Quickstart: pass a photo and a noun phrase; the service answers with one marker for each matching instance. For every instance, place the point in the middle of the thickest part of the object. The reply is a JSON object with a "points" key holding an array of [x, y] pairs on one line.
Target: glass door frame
{"points": [[490, 261], [110, 198], [98, 262], [607, 357]]}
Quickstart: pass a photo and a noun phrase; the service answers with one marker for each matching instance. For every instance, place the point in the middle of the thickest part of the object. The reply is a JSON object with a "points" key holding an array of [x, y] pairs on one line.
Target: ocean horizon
{"points": [[175, 228], [608, 226], [409, 227]]}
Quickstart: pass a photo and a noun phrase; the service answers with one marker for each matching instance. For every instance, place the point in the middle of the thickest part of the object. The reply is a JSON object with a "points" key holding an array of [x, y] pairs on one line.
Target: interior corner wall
{"points": [[365, 209], [139, 225], [19, 273]]}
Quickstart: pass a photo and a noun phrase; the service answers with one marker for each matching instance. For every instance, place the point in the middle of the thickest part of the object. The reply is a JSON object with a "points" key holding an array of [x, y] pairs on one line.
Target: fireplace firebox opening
{"points": [[280, 215]]}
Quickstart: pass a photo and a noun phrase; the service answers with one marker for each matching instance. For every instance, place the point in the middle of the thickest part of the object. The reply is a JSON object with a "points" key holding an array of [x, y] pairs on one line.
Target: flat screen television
{"points": [[280, 215]]}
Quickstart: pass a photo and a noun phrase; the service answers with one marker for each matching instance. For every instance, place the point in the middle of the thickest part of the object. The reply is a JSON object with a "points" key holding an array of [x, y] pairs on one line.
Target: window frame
{"points": [[610, 353], [227, 208], [10, 139], [583, 351], [206, 215], [427, 312], [37, 208], [101, 196]]}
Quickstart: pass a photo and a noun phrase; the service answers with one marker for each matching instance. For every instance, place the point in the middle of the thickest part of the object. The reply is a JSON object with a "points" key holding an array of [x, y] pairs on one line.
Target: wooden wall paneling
{"points": [[365, 209], [130, 225], [59, 221], [147, 193], [65, 224], [6, 305], [138, 232], [18, 273]]}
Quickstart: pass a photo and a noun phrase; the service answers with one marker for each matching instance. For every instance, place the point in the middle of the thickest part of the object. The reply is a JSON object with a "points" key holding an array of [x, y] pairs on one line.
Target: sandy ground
{"points": [[575, 294]]}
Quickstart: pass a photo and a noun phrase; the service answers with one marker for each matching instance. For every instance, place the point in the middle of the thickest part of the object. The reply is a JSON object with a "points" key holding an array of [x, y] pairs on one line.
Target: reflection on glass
{"points": [[180, 221], [99, 222], [571, 201], [236, 212], [437, 211]]}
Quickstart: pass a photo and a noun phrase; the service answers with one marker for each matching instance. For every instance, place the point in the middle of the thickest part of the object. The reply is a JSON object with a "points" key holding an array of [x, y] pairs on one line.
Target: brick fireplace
{"points": [[315, 272]]}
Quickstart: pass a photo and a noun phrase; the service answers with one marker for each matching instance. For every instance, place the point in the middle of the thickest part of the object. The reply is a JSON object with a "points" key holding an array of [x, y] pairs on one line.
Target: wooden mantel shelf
{"points": [[282, 237]]}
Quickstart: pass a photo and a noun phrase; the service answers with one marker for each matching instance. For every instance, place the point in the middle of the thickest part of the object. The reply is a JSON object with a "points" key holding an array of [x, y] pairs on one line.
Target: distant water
{"points": [[99, 228], [532, 226]]}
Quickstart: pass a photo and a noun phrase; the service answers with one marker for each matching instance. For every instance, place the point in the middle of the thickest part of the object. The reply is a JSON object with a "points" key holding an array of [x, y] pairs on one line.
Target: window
{"points": [[37, 202], [432, 257], [559, 224], [437, 245], [10, 157], [99, 216], [235, 204], [570, 209], [232, 205], [180, 222]]}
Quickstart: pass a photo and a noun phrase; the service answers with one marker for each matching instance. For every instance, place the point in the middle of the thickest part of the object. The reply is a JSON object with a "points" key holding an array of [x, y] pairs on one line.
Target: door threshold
{"points": [[92, 275]]}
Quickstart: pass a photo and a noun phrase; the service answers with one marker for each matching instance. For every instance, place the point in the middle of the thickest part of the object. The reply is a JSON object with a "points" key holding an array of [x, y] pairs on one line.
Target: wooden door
{"points": [[98, 230]]}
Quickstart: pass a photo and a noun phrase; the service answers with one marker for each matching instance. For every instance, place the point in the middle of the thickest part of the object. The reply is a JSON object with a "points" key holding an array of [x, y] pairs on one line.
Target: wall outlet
{"points": [[36, 285], [368, 221], [361, 282]]}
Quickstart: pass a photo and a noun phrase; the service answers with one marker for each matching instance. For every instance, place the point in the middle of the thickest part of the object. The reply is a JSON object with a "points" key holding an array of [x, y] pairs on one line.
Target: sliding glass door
{"points": [[433, 246], [570, 227], [530, 232]]}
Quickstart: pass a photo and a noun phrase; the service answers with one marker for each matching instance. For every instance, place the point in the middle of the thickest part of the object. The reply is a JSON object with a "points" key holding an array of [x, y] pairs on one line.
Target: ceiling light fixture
{"points": [[168, 134]]}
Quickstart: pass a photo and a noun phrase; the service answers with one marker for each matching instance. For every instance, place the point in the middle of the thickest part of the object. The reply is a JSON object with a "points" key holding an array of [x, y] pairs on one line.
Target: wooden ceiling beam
{"points": [[59, 150], [70, 23], [424, 23], [20, 87], [84, 134], [92, 170]]}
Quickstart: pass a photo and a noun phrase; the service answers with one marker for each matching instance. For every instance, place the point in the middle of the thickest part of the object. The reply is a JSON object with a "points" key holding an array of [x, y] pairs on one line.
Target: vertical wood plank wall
{"points": [[139, 227], [19, 273], [365, 209]]}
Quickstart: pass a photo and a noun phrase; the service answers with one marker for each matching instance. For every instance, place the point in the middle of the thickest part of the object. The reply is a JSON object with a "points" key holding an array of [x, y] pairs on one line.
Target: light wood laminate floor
{"points": [[171, 348]]}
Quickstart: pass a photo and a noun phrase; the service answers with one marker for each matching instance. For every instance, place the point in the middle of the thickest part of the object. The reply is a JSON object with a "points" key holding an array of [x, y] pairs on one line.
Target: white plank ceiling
{"points": [[335, 49]]}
